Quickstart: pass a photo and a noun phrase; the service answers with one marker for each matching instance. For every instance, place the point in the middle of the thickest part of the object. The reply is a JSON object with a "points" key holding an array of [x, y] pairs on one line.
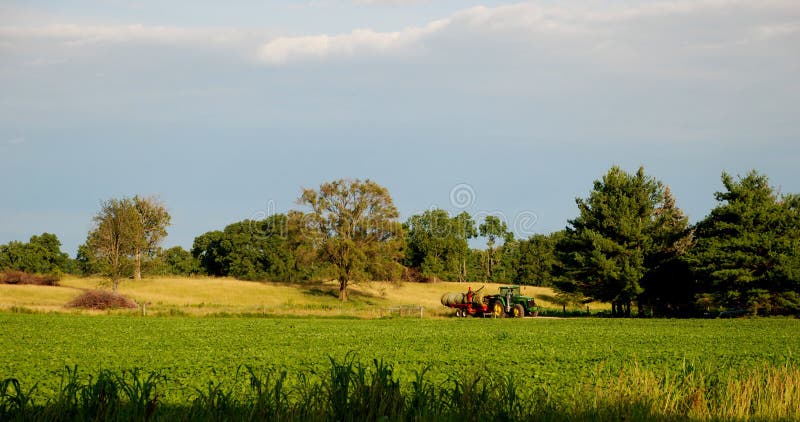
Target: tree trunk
{"points": [[137, 265], [114, 283], [343, 290], [489, 264]]}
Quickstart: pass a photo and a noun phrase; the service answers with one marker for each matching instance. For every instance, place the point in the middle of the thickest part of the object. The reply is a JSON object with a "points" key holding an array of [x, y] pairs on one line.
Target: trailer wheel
{"points": [[499, 310], [519, 311], [458, 313]]}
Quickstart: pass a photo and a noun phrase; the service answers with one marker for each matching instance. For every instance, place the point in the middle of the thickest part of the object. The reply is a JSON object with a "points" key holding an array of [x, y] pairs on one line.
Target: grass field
{"points": [[209, 296], [559, 354], [545, 368]]}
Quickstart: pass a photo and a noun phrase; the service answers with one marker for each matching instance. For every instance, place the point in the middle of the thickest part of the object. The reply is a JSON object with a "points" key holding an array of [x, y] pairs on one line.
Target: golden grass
{"points": [[767, 393], [40, 298], [206, 295]]}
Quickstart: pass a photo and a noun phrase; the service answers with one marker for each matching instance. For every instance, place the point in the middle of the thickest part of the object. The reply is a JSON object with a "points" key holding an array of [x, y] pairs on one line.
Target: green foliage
{"points": [[153, 222], [354, 223], [437, 244], [354, 391], [126, 233], [669, 288], [215, 368], [748, 248], [253, 250], [114, 239], [41, 255], [178, 261], [537, 259], [623, 225], [492, 229]]}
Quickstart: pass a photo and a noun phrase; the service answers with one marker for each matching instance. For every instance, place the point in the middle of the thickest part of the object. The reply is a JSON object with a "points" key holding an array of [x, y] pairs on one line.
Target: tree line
{"points": [[630, 246]]}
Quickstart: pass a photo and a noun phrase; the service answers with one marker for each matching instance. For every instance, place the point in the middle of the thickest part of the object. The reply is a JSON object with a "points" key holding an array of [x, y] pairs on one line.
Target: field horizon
{"points": [[224, 296]]}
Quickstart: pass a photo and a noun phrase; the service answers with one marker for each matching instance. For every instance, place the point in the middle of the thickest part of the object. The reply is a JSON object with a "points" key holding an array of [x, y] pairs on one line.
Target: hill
{"points": [[225, 296]]}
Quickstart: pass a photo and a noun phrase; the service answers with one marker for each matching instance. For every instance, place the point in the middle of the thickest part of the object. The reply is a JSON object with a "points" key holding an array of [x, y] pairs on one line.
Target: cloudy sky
{"points": [[227, 109]]}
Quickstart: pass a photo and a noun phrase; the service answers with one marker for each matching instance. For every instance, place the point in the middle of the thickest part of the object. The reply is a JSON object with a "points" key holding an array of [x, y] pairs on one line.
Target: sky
{"points": [[226, 110]]}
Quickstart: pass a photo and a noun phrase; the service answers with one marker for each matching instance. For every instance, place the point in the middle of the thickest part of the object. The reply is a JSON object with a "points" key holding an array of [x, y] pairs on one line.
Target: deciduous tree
{"points": [[354, 223], [492, 229], [114, 237], [437, 244], [153, 222]]}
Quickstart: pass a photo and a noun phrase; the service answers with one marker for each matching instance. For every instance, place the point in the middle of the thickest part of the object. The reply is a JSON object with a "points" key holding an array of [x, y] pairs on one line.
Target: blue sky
{"points": [[227, 110]]}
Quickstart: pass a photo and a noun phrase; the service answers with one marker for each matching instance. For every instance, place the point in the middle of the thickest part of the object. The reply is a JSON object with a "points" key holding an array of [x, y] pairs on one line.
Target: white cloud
{"points": [[87, 35], [614, 30], [391, 2], [360, 41]]}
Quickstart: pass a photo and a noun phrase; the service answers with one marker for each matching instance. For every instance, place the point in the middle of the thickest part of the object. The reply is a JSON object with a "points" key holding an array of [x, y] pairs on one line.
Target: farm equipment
{"points": [[509, 302]]}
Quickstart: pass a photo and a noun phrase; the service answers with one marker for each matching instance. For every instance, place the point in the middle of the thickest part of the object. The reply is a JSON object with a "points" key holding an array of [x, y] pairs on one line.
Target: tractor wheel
{"points": [[519, 311], [499, 310]]}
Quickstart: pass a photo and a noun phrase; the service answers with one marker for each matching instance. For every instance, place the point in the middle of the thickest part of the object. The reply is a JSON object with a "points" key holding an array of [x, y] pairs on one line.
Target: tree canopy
{"points": [[605, 250], [250, 250], [355, 225], [114, 238], [748, 248], [153, 222], [41, 254], [438, 245]]}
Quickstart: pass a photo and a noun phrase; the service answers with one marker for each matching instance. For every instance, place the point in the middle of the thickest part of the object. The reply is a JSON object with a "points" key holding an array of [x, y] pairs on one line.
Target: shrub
{"points": [[101, 300], [20, 277]]}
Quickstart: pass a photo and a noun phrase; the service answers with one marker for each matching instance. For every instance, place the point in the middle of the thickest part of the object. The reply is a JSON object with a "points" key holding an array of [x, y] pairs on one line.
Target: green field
{"points": [[558, 354]]}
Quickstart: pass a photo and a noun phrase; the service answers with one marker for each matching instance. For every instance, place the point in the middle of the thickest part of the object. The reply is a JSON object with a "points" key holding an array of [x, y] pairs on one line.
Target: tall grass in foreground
{"points": [[353, 391]]}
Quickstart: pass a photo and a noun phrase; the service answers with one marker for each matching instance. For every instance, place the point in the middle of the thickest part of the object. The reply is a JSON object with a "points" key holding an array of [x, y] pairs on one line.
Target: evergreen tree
{"points": [[748, 248], [669, 288], [622, 226]]}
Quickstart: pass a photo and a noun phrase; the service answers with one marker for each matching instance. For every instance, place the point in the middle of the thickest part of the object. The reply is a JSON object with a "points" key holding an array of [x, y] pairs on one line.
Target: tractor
{"points": [[510, 302]]}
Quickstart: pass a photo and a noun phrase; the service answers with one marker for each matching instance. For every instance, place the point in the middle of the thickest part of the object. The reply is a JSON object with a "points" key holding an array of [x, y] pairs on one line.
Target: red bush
{"points": [[20, 277], [101, 300]]}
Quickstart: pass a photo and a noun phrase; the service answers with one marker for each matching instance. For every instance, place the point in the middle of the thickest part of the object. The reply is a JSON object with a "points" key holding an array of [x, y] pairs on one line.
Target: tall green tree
{"points": [[178, 261], [249, 250], [537, 259], [113, 239], [748, 248], [354, 222], [437, 244], [493, 229], [153, 222], [41, 254], [605, 249], [669, 288]]}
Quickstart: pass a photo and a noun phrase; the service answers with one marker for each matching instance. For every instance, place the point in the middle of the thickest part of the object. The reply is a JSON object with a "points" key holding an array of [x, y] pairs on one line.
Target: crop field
{"points": [[560, 358]]}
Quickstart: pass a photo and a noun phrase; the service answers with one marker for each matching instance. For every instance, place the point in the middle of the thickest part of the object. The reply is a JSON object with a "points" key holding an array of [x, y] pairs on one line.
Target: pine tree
{"points": [[624, 225], [748, 247]]}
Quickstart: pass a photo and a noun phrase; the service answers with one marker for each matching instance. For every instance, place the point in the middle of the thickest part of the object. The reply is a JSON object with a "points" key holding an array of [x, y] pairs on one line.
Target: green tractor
{"points": [[510, 302]]}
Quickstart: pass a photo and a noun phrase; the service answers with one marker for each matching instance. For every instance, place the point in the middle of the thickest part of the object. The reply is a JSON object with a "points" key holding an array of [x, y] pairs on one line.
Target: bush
{"points": [[101, 300], [20, 277]]}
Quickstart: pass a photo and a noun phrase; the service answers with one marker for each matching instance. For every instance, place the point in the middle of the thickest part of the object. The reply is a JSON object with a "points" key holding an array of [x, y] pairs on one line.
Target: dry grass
{"points": [[38, 298], [205, 296]]}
